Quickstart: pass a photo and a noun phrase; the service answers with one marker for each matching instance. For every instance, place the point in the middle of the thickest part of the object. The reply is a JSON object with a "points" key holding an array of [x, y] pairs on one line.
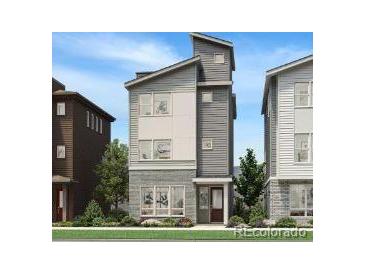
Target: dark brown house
{"points": [[80, 132]]}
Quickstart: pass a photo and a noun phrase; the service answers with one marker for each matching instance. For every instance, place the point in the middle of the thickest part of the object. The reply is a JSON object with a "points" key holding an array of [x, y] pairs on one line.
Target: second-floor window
{"points": [[96, 124], [61, 152], [219, 58], [303, 147], [207, 143], [207, 96], [101, 126], [92, 121], [303, 94], [155, 149], [61, 108], [87, 119], [155, 104]]}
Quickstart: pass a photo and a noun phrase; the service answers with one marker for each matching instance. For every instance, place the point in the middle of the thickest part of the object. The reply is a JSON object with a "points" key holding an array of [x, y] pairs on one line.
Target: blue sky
{"points": [[97, 64]]}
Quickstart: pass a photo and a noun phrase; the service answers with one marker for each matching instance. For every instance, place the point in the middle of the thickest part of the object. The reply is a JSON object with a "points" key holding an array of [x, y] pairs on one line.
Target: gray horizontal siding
{"points": [[181, 80], [213, 123], [209, 70]]}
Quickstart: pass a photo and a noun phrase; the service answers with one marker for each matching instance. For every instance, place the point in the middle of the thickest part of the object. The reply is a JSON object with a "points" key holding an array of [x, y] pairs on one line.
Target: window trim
{"points": [[152, 93], [101, 126], [96, 123], [310, 150], [64, 146], [152, 150], [205, 92], [215, 59], [154, 202], [92, 121], [211, 143], [310, 94], [306, 208], [87, 118], [64, 108]]}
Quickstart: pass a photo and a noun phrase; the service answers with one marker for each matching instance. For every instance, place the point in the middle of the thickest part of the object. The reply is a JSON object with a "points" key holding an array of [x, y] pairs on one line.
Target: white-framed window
{"points": [[219, 58], [92, 121], [87, 118], [207, 143], [155, 104], [145, 149], [61, 108], [101, 126], [61, 152], [96, 123], [303, 94], [207, 96], [301, 200], [155, 149], [303, 147], [163, 200]]}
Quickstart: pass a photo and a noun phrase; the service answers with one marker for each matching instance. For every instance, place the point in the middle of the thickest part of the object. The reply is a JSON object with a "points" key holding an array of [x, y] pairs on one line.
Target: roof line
{"points": [[290, 64], [162, 71], [211, 38], [87, 101]]}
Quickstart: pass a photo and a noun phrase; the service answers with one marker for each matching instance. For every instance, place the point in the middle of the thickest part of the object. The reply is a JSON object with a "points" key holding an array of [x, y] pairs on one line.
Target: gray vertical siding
{"points": [[181, 80], [273, 125], [209, 70], [213, 123]]}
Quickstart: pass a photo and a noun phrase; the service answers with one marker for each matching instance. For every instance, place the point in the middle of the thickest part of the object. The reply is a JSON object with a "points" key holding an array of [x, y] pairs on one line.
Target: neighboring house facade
{"points": [[288, 117], [80, 132], [181, 136]]}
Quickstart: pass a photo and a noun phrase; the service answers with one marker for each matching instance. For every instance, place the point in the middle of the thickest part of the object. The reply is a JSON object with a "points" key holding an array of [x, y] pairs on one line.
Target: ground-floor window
{"points": [[301, 200], [163, 201]]}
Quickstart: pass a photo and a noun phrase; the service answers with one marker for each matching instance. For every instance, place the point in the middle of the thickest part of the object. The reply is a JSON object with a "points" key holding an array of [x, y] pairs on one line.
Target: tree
{"points": [[250, 182], [112, 185]]}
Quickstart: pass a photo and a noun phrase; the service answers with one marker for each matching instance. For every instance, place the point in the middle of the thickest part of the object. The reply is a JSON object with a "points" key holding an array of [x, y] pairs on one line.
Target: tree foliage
{"points": [[251, 180], [112, 185]]}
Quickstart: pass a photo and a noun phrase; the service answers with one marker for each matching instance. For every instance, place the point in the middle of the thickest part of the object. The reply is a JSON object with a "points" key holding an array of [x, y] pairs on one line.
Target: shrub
{"points": [[92, 211], [151, 223], [62, 224], [117, 215], [128, 221], [80, 221], [286, 222], [111, 224], [310, 222], [235, 221], [185, 222], [169, 222], [257, 216], [98, 221], [240, 209]]}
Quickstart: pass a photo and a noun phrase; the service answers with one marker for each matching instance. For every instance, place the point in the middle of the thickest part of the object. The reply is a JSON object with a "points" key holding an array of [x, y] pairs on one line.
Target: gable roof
{"points": [[85, 101], [274, 71], [217, 41], [162, 71]]}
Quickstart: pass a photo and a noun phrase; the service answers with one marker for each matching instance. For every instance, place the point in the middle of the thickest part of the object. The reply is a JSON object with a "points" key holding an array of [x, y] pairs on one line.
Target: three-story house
{"points": [[181, 136], [288, 117]]}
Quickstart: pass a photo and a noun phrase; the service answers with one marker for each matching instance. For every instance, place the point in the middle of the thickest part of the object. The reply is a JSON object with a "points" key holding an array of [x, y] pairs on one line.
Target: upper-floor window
{"points": [[87, 119], [154, 104], [207, 96], [303, 93], [207, 143], [61, 152], [92, 121], [96, 123], [101, 126], [303, 147], [219, 58], [301, 200], [61, 108], [155, 149]]}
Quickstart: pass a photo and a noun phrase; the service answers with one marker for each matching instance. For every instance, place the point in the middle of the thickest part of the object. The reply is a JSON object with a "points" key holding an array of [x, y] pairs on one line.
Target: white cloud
{"points": [[131, 53]]}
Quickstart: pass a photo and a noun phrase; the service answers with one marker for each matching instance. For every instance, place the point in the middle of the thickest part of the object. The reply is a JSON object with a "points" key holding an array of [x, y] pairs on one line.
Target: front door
{"points": [[216, 205], [59, 204]]}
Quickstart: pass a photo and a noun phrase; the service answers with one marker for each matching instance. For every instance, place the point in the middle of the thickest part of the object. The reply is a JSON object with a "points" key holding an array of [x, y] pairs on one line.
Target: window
{"points": [[301, 200], [145, 150], [219, 58], [162, 149], [303, 147], [87, 119], [163, 201], [207, 97], [145, 104], [303, 94], [203, 197], [207, 143], [61, 152], [96, 124], [161, 103], [92, 121], [61, 108], [101, 126]]}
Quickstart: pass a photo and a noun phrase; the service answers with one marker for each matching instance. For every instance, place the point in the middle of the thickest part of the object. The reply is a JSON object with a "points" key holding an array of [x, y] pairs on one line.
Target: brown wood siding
{"points": [[210, 71]]}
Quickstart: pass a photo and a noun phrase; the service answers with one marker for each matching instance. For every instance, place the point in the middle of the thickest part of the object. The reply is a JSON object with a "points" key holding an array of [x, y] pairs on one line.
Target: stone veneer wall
{"points": [[138, 178]]}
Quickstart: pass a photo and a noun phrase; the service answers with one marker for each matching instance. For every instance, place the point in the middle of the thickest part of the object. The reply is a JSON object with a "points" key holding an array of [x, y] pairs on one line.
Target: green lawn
{"points": [[194, 235]]}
